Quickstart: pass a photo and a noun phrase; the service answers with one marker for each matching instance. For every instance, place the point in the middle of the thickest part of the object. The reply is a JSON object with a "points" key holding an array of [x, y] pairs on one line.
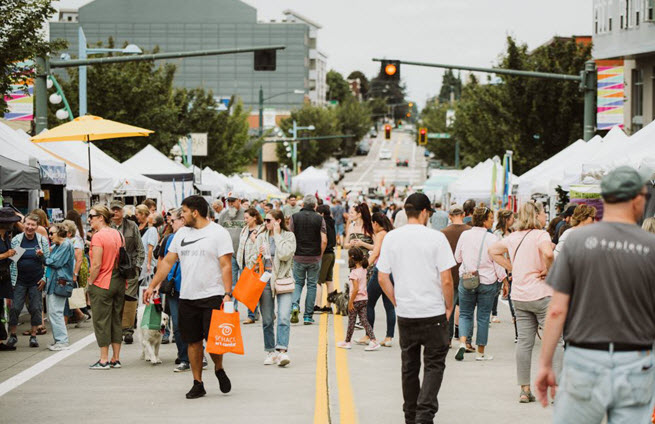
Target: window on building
{"points": [[637, 92], [596, 23], [621, 23], [610, 24], [627, 14], [637, 18], [649, 12], [652, 84]]}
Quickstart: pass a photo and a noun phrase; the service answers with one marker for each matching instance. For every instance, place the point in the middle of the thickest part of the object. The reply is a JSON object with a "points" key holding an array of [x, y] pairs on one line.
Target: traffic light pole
{"points": [[587, 80], [43, 66]]}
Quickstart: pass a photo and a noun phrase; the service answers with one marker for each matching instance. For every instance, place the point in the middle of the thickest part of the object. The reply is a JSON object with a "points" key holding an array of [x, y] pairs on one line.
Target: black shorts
{"points": [[195, 317]]}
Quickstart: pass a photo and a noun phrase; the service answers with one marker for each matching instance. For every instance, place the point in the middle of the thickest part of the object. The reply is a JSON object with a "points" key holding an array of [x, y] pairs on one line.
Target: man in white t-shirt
{"points": [[420, 259], [204, 249]]}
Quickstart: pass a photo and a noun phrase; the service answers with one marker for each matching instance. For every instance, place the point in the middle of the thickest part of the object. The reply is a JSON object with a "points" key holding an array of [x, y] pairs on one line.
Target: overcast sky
{"points": [[466, 32]]}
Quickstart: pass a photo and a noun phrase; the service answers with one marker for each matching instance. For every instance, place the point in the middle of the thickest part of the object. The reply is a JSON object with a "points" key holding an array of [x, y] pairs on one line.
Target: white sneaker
{"points": [[271, 358], [283, 359], [495, 319], [483, 357], [58, 346], [372, 345]]}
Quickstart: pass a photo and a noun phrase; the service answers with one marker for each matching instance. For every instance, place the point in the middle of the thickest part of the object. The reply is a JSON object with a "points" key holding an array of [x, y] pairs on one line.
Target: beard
{"points": [[191, 222]]}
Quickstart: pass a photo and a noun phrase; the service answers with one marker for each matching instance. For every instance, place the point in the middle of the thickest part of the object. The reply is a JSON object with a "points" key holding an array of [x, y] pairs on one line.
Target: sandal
{"points": [[526, 397], [40, 331]]}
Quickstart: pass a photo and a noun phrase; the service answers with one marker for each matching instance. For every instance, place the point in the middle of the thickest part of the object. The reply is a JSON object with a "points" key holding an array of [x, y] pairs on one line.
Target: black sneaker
{"points": [[12, 340], [115, 364], [317, 309], [100, 366], [33, 342], [327, 309], [4, 347], [198, 390], [223, 381], [177, 361], [128, 339]]}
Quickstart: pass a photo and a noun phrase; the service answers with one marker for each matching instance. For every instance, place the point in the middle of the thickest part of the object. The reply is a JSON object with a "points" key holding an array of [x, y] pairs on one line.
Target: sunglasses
{"points": [[52, 234], [268, 220], [93, 215]]}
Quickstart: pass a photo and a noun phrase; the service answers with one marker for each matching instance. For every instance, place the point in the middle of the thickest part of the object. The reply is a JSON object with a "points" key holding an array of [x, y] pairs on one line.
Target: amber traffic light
{"points": [[387, 132], [390, 70], [423, 136]]}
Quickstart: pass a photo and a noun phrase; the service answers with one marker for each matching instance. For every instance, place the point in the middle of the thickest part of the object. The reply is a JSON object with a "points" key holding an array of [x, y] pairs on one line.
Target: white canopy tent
{"points": [[477, 183], [637, 150], [176, 179], [214, 182], [561, 169], [254, 188], [311, 181]]}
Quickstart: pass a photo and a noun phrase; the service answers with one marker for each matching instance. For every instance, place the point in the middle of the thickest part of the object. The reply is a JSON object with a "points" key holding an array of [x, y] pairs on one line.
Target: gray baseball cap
{"points": [[116, 204], [624, 183], [456, 210]]}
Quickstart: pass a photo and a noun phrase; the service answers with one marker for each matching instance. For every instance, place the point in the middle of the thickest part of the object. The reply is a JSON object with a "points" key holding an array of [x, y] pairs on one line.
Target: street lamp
{"points": [[83, 51], [294, 153], [260, 158]]}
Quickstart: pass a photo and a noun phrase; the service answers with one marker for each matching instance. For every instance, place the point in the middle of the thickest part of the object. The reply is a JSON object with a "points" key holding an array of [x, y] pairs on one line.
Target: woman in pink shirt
{"points": [[106, 287], [471, 252], [530, 256]]}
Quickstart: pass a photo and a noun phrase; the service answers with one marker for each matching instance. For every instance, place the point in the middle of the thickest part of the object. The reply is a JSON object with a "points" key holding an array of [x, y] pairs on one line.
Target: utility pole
{"points": [[586, 79], [43, 66], [260, 157], [452, 106]]}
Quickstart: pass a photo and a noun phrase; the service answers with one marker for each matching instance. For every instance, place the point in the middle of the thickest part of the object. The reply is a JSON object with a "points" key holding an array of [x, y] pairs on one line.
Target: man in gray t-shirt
{"points": [[604, 303]]}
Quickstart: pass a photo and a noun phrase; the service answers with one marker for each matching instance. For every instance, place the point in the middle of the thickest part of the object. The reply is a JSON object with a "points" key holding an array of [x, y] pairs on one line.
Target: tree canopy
{"points": [[533, 117], [338, 87], [21, 39]]}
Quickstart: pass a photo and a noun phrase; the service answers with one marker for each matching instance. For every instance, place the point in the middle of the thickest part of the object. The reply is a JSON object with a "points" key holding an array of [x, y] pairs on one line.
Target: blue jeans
{"points": [[33, 306], [174, 305], [302, 272], [594, 383], [374, 292], [236, 273], [483, 297], [267, 305], [56, 315]]}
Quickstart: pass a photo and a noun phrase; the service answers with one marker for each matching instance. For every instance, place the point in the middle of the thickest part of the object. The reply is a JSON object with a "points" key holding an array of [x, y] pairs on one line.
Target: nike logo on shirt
{"points": [[186, 243]]}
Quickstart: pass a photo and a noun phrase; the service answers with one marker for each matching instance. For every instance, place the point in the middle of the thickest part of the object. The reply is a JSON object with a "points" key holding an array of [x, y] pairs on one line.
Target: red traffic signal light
{"points": [[423, 136], [387, 132]]}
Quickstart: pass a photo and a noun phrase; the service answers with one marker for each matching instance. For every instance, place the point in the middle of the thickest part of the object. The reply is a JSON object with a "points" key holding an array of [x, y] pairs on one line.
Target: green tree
{"points": [[393, 93], [311, 152], [142, 94], [354, 118], [450, 82], [534, 117], [364, 85], [22, 38], [338, 88]]}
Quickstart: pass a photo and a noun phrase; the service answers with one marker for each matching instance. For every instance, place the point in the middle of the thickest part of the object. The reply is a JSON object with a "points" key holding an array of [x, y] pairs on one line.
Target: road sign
{"points": [[438, 135]]}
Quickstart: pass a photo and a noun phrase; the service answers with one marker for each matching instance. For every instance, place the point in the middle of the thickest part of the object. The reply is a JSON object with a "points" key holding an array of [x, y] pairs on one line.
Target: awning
{"points": [[17, 176]]}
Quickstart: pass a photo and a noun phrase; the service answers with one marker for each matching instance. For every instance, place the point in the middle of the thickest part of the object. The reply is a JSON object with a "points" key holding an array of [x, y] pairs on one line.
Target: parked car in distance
{"points": [[347, 164], [373, 133], [385, 154], [402, 162], [363, 148]]}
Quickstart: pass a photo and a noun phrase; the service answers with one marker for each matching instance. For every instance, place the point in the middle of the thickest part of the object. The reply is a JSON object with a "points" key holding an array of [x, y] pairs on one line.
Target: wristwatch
{"points": [[228, 294]]}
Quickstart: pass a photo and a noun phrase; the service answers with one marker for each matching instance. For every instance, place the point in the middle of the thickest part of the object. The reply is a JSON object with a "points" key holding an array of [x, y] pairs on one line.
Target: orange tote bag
{"points": [[249, 288], [224, 333]]}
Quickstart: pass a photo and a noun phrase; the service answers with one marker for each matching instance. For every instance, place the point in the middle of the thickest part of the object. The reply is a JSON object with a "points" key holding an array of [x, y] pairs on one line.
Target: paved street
{"points": [[321, 385], [370, 169]]}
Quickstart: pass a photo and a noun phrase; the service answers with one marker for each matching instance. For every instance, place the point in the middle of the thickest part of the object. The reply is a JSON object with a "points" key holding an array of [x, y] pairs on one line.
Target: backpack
{"points": [[125, 267]]}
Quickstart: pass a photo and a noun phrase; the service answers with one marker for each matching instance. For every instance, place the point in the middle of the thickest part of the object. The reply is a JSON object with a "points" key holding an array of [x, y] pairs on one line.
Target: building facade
{"points": [[625, 30], [203, 25]]}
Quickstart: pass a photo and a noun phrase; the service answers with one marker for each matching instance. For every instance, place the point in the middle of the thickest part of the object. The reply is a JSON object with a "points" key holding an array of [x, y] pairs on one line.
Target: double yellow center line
{"points": [[347, 413]]}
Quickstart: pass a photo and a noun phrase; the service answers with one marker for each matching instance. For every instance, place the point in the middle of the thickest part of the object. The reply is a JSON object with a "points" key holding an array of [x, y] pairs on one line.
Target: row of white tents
{"points": [[148, 173], [582, 162]]}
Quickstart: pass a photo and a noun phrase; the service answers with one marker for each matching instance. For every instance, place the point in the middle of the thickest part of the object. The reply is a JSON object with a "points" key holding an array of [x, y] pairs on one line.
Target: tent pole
{"points": [[88, 145]]}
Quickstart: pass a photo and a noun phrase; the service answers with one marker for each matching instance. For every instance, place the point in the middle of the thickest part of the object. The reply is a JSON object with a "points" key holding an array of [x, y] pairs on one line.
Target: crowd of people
{"points": [[586, 290]]}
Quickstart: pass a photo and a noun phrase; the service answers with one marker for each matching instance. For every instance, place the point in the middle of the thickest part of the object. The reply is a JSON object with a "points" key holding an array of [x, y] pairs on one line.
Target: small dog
{"points": [[150, 339], [340, 300]]}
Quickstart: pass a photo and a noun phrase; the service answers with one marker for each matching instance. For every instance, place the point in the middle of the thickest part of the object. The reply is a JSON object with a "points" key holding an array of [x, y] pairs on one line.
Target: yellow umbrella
{"points": [[88, 128]]}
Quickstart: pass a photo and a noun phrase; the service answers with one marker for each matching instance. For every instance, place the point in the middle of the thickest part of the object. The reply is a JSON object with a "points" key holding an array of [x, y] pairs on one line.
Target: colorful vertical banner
{"points": [[611, 91], [19, 99]]}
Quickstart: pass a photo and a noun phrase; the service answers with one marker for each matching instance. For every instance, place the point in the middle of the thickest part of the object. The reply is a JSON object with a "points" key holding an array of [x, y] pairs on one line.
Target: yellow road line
{"points": [[347, 414], [321, 406]]}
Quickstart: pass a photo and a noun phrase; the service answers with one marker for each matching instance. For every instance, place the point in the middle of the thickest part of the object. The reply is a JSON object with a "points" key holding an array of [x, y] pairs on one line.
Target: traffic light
{"points": [[422, 136], [265, 60], [410, 104], [390, 70], [409, 115], [387, 132]]}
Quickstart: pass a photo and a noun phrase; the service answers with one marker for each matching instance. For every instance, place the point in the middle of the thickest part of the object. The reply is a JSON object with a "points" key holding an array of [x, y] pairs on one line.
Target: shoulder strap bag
{"points": [[125, 267], [168, 285], [517, 247], [471, 280], [283, 285]]}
